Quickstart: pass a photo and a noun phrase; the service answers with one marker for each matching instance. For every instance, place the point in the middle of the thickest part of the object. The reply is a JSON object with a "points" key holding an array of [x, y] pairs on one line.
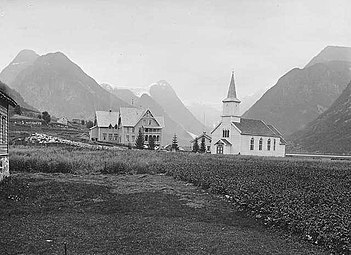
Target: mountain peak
{"points": [[25, 56], [332, 53]]}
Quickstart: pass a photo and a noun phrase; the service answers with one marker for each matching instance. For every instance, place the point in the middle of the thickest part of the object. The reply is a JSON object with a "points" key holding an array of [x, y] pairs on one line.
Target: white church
{"points": [[236, 135]]}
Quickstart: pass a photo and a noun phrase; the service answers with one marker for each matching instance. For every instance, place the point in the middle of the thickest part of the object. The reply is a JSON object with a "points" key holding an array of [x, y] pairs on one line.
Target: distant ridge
{"points": [[55, 84], [301, 95], [332, 53], [331, 131]]}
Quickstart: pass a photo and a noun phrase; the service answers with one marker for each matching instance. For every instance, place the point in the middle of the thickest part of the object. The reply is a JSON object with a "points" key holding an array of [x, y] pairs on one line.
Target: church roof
{"points": [[231, 96], [105, 119], [223, 141], [255, 127], [282, 141]]}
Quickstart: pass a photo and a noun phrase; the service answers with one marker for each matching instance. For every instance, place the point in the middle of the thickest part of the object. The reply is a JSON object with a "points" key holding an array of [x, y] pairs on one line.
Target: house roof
{"points": [[200, 137], [254, 127], [160, 120], [7, 98], [131, 116], [105, 119]]}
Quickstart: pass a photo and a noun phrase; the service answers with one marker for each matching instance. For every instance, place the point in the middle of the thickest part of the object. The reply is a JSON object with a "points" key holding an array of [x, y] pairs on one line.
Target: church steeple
{"points": [[231, 97], [231, 104]]}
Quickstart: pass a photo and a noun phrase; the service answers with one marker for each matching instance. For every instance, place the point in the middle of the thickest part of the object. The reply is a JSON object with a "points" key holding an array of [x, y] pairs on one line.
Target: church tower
{"points": [[231, 109]]}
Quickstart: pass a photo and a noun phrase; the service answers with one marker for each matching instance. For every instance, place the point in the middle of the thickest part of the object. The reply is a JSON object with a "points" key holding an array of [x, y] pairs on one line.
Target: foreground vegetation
{"points": [[311, 198]]}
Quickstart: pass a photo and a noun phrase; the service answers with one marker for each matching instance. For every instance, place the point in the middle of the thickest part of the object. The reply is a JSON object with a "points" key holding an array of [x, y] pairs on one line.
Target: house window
{"points": [[150, 122], [146, 137], [225, 133], [115, 137], [252, 144], [157, 138], [269, 144], [219, 149], [110, 137], [104, 135], [274, 141], [260, 144], [208, 148], [133, 138], [127, 138]]}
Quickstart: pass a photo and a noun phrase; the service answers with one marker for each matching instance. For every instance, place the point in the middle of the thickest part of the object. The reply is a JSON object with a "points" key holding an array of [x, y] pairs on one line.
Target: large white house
{"points": [[236, 135], [123, 127]]}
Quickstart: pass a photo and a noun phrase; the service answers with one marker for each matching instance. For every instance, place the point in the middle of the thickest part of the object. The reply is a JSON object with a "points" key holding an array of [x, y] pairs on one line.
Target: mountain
{"points": [[250, 100], [171, 127], [55, 84], [208, 114], [125, 94], [165, 96], [24, 59], [332, 53], [15, 96], [331, 131], [301, 95]]}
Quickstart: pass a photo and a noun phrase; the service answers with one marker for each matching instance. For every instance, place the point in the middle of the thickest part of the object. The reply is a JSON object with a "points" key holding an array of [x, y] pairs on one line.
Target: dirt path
{"points": [[133, 214]]}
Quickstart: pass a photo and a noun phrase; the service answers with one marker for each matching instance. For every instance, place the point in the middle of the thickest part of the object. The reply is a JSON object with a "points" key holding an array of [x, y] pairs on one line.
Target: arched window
{"points": [[157, 138], [146, 138], [274, 142], [260, 144], [269, 144], [252, 144]]}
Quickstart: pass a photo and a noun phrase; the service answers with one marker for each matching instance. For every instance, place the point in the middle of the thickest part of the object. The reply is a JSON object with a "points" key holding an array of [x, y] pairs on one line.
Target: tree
{"points": [[203, 145], [152, 143], [82, 122], [139, 143], [196, 146], [18, 110], [175, 143], [46, 117], [89, 124]]}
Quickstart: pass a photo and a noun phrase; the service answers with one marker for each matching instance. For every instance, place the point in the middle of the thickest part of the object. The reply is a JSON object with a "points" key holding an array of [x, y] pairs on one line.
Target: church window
{"points": [[225, 133], [260, 144], [127, 137], [146, 137], [104, 135], [274, 142], [252, 144], [157, 138], [110, 136], [269, 144], [220, 149]]}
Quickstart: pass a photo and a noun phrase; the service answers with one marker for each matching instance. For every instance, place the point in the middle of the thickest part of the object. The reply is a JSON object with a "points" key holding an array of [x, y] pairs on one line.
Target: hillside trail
{"points": [[235, 225]]}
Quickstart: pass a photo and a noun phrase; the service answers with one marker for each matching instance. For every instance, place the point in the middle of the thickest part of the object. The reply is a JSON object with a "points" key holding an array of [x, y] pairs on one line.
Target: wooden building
{"points": [[5, 102]]}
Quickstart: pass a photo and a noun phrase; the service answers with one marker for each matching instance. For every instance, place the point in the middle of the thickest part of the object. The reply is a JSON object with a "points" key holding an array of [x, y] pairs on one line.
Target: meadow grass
{"points": [[305, 196]]}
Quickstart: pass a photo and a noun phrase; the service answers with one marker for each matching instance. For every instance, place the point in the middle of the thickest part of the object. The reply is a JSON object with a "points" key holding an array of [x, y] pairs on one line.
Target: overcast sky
{"points": [[194, 45]]}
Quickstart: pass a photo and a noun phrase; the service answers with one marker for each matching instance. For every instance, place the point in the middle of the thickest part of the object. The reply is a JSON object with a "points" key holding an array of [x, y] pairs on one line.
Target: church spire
{"points": [[232, 90], [231, 97]]}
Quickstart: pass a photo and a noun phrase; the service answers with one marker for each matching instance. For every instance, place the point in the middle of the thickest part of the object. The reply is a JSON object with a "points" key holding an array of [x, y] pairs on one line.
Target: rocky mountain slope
{"points": [[15, 95], [332, 53], [331, 131], [164, 95], [55, 84], [23, 59], [301, 95]]}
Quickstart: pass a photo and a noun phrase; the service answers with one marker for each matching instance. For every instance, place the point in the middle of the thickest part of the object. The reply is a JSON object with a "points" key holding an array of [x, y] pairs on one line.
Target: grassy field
{"points": [[128, 214], [309, 198]]}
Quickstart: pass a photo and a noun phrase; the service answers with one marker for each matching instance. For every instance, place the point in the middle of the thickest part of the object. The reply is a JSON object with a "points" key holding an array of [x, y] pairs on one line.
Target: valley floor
{"points": [[128, 214]]}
